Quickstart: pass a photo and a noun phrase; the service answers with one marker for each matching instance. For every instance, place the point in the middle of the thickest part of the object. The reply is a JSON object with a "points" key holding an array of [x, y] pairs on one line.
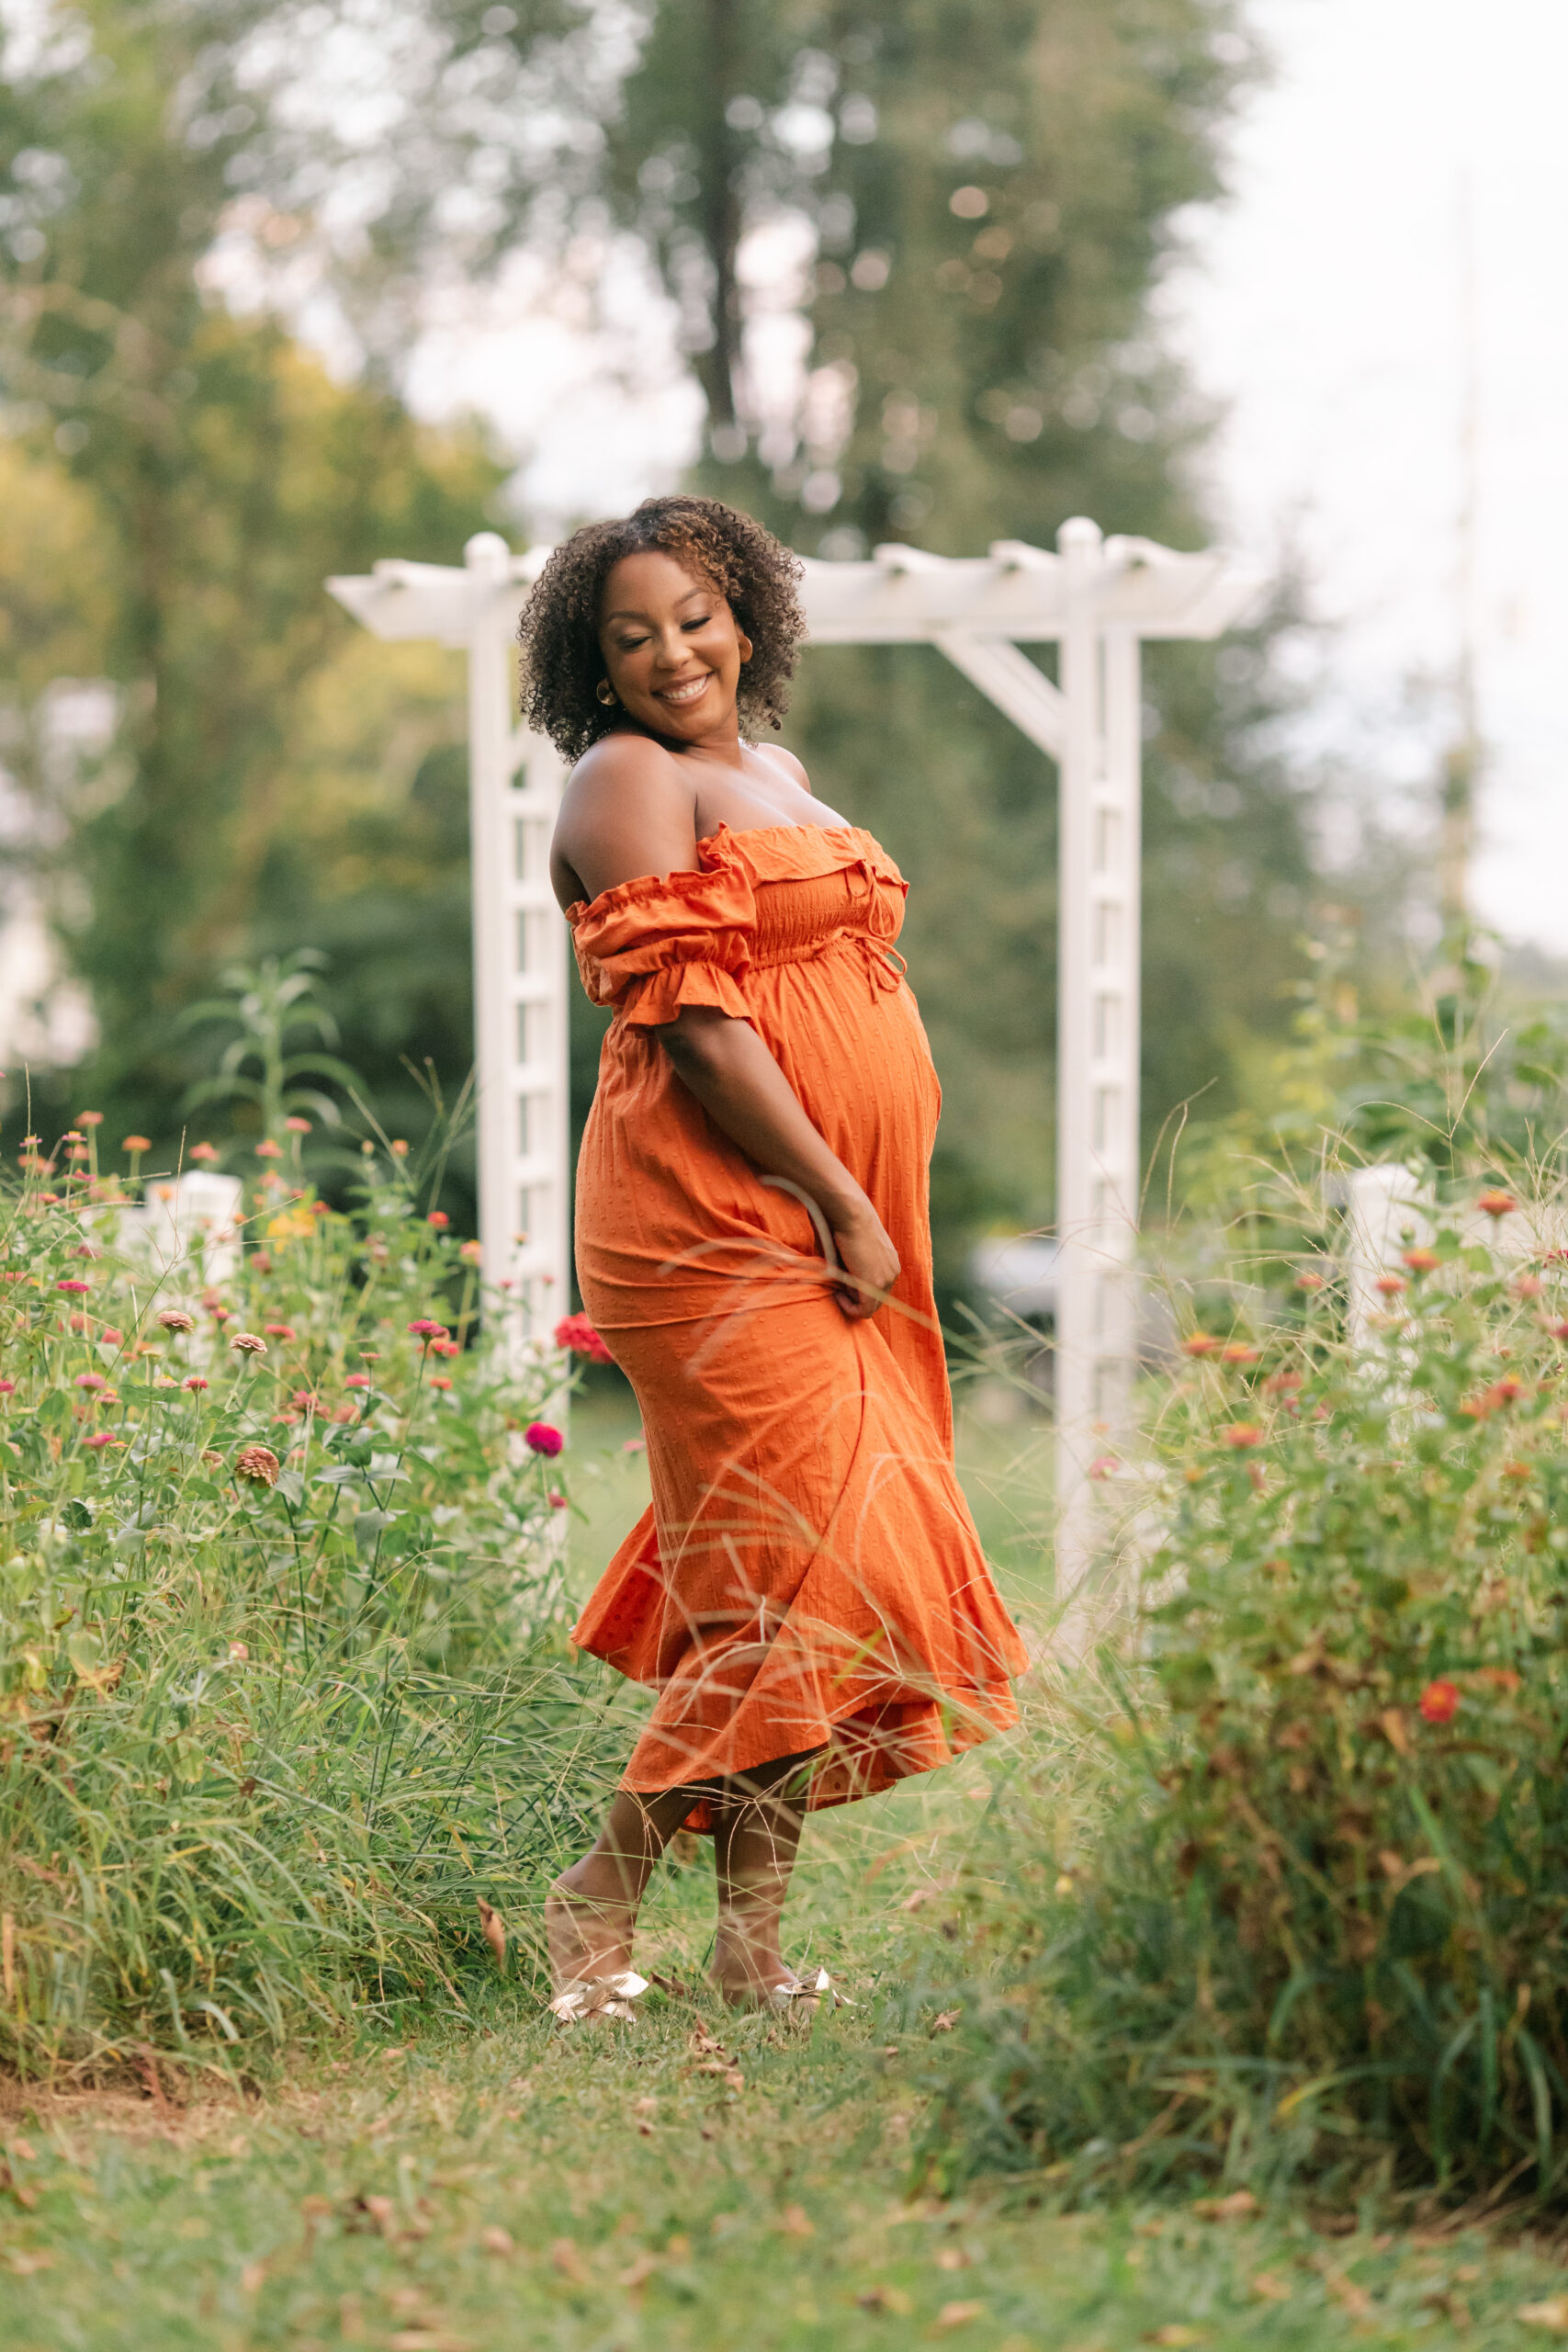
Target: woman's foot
{"points": [[747, 1969], [587, 1937]]}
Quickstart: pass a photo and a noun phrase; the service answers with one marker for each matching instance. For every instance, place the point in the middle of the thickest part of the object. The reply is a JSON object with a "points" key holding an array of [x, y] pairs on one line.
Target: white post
{"points": [[1096, 1123], [520, 971]]}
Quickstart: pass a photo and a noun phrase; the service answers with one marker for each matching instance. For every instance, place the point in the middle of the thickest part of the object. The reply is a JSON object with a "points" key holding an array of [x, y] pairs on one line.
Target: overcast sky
{"points": [[1323, 309], [1327, 311]]}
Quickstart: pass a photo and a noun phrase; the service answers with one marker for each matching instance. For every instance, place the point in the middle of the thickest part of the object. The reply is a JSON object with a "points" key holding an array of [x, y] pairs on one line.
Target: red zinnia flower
{"points": [[1309, 1281], [1439, 1701], [196, 1381], [439, 1219], [1390, 1284], [542, 1437], [1497, 1204], [1242, 1434], [558, 1500], [577, 1333]]}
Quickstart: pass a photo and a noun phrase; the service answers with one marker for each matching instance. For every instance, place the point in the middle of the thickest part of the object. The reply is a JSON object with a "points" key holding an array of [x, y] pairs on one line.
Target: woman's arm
{"points": [[740, 1086]]}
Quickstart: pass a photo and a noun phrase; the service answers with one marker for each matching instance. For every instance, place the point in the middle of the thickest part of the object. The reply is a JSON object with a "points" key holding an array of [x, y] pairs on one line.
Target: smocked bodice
{"points": [[761, 899]]}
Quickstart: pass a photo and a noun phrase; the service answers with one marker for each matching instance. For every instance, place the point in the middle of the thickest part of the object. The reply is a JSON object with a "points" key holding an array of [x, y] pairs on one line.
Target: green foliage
{"points": [[1321, 1924], [269, 1005], [283, 1682]]}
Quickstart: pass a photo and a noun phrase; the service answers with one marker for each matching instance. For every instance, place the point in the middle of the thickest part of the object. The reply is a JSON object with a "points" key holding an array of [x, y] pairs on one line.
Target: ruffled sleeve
{"points": [[652, 946]]}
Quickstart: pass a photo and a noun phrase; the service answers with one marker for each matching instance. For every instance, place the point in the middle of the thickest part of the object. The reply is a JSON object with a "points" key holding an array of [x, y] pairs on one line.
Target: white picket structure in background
{"points": [[1096, 599]]}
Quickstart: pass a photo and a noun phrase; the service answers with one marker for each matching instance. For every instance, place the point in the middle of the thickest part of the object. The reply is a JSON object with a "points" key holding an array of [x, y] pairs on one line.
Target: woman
{"points": [[806, 1594]]}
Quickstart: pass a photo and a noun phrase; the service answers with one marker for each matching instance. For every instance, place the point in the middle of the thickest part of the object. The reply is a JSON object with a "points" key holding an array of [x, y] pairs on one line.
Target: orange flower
{"points": [[1439, 1701], [89, 1118], [204, 1151], [138, 1143], [1309, 1281], [1238, 1351], [1498, 1678], [1527, 1286], [1390, 1284], [297, 1127], [269, 1150], [1242, 1434], [1198, 1343], [1497, 1204], [1421, 1262]]}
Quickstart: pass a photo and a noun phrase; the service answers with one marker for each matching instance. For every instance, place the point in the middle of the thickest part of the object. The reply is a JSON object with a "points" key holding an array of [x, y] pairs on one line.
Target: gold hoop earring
{"points": [[606, 693]]}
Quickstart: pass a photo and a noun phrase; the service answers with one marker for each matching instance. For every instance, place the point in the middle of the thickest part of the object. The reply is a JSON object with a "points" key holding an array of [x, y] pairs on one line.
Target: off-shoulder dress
{"points": [[808, 1579]]}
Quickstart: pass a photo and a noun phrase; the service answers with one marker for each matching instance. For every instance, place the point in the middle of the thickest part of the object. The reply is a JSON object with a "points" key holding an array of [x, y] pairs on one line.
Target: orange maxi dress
{"points": [[808, 1579]]}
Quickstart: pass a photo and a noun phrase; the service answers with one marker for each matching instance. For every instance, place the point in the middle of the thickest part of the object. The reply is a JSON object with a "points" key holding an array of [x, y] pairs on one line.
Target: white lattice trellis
{"points": [[1094, 598]]}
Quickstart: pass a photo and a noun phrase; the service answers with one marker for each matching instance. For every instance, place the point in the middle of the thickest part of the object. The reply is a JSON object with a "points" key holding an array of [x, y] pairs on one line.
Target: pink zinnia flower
{"points": [[440, 1380], [1198, 1343], [278, 1330], [297, 1127], [176, 1318], [91, 1380], [99, 1438], [425, 1329], [543, 1437], [558, 1500], [269, 1150], [469, 1252], [196, 1381], [245, 1343], [110, 1337], [1422, 1262], [1309, 1281], [259, 1465], [77, 1289], [7, 1388], [89, 1118], [1242, 1434], [204, 1151], [358, 1380], [1390, 1285], [138, 1143], [400, 1150]]}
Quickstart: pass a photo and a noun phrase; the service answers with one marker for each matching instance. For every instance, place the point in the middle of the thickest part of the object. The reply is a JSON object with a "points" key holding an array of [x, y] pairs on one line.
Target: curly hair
{"points": [[563, 662]]}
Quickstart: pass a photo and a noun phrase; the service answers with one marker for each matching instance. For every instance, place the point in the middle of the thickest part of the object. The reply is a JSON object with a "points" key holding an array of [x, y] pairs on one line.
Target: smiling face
{"points": [[672, 653]]}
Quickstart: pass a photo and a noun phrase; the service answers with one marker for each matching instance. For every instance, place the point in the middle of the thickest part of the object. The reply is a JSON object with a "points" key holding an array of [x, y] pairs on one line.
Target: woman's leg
{"points": [[757, 1824], [592, 1909]]}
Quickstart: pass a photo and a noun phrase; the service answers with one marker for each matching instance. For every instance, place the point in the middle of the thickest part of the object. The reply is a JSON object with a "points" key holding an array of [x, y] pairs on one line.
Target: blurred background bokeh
{"points": [[285, 289]]}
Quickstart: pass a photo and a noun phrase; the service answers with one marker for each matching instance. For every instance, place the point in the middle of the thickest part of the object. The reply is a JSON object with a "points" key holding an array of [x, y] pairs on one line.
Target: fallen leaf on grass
{"points": [[26, 2198], [1352, 2299], [380, 2211], [1552, 2314], [567, 2256], [796, 2223], [638, 2273], [1239, 2206], [953, 2258], [493, 1929], [427, 2339], [25, 2260], [886, 2299], [251, 2278], [495, 2240], [1175, 2333], [25, 2149], [704, 2044], [946, 2022], [958, 2314], [1269, 2287]]}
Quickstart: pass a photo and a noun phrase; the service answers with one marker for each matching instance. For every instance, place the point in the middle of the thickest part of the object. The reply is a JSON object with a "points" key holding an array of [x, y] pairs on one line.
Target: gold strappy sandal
{"points": [[599, 1996], [810, 1992]]}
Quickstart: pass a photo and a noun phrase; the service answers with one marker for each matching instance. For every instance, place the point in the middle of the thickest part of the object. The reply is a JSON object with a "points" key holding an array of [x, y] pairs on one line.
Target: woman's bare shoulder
{"points": [[629, 808], [785, 763]]}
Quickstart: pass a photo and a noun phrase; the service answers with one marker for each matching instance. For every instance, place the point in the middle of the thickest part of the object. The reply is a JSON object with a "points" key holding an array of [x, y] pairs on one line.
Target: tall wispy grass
{"points": [[1285, 1895], [284, 1688]]}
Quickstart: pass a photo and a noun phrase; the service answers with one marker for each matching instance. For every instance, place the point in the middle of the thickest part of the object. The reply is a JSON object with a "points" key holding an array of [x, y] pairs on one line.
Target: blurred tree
{"points": [[225, 474], [963, 206]]}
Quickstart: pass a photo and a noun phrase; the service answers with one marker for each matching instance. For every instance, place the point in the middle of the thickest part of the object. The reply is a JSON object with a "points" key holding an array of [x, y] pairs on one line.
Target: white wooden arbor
{"points": [[1095, 598]]}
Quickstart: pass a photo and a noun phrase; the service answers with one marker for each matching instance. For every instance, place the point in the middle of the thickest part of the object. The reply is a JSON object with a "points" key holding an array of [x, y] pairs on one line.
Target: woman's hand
{"points": [[864, 1251]]}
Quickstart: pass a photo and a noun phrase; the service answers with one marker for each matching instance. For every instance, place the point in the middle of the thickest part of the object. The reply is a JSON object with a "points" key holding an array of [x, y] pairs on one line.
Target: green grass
{"points": [[650, 2199]]}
